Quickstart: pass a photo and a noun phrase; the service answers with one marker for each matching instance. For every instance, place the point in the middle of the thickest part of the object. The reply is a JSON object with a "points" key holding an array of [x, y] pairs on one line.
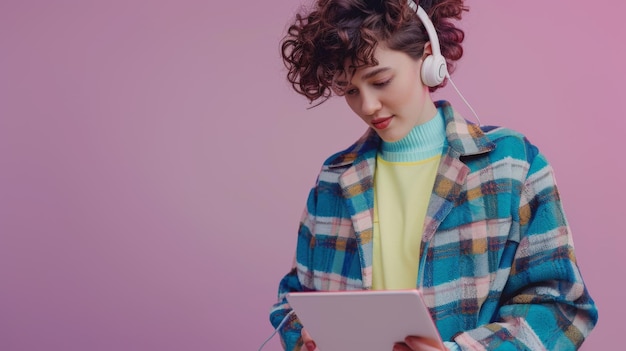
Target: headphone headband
{"points": [[434, 68], [428, 24]]}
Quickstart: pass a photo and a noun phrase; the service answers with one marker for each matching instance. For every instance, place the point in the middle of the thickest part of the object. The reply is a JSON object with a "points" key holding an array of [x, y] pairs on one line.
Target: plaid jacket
{"points": [[497, 265]]}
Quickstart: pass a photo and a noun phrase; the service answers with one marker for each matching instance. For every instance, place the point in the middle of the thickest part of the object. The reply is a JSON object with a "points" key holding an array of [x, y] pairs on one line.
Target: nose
{"points": [[370, 104]]}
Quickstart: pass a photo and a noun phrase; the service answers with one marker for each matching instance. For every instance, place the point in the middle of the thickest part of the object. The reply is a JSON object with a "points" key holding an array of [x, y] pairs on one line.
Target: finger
{"points": [[417, 343], [306, 336], [400, 346], [308, 341]]}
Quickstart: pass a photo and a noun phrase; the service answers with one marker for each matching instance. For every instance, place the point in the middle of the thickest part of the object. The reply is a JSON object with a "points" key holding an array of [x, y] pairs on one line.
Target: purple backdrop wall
{"points": [[154, 163]]}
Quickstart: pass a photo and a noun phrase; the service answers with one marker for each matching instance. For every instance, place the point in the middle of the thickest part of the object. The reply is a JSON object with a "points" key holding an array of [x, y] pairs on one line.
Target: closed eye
{"points": [[352, 91], [383, 83]]}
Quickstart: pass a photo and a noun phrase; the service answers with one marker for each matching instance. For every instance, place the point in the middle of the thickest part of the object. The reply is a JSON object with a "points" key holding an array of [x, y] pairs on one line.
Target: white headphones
{"points": [[434, 68]]}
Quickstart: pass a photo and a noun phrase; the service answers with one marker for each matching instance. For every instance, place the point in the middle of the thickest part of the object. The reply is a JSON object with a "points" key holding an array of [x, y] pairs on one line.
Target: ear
{"points": [[428, 50]]}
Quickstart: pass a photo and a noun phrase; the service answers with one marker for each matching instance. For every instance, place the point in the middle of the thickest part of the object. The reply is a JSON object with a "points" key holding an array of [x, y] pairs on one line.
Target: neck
{"points": [[424, 141], [429, 111]]}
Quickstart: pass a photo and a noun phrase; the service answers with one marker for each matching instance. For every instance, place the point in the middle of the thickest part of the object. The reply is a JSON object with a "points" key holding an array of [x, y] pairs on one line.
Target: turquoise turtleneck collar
{"points": [[423, 141]]}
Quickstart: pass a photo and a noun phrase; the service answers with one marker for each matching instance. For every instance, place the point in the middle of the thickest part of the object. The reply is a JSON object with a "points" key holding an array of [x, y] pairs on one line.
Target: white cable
{"points": [[277, 328], [463, 98]]}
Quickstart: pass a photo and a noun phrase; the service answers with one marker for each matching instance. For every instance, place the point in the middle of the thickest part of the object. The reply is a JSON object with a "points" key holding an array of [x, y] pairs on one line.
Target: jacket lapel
{"points": [[357, 187], [448, 183], [464, 139]]}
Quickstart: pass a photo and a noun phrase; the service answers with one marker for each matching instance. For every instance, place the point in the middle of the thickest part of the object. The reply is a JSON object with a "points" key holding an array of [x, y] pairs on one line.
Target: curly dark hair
{"points": [[318, 44]]}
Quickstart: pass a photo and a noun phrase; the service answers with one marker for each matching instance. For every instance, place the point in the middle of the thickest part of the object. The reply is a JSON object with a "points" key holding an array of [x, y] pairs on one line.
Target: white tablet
{"points": [[363, 320]]}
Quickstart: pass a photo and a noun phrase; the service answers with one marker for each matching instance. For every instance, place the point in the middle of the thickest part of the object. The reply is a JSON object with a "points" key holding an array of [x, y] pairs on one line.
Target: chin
{"points": [[390, 137], [389, 140]]}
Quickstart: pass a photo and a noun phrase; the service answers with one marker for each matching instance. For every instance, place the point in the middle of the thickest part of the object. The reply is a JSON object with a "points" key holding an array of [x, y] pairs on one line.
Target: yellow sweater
{"points": [[404, 178]]}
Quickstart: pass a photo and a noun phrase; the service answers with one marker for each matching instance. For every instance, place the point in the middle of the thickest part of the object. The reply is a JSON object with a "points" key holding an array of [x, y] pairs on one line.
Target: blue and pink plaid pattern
{"points": [[497, 266]]}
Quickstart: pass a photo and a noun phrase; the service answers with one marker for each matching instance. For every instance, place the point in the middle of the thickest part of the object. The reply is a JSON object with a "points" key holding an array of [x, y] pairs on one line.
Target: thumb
{"points": [[308, 341]]}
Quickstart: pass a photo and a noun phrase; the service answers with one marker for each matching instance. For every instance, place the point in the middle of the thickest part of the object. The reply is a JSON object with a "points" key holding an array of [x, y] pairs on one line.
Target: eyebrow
{"points": [[368, 75], [375, 72]]}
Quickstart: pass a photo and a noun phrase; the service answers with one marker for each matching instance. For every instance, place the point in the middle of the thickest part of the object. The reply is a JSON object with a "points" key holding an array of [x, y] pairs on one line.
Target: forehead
{"points": [[385, 59]]}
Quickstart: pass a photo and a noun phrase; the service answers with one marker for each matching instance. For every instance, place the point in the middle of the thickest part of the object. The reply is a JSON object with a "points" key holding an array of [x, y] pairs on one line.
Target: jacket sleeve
{"points": [[545, 304], [290, 331]]}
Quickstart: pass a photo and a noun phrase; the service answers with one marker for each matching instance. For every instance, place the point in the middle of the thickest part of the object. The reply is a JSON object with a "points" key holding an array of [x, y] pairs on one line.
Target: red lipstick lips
{"points": [[381, 123]]}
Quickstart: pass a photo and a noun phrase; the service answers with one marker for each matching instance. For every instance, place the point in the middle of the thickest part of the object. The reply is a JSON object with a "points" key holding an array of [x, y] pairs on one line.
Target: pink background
{"points": [[154, 161]]}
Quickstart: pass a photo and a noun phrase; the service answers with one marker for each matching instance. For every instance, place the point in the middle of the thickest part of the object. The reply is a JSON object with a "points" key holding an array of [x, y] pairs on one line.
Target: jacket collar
{"points": [[464, 138]]}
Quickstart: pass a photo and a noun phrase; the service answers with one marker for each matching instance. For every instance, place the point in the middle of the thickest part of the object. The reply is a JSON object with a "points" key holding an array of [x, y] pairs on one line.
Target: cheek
{"points": [[408, 93], [398, 98]]}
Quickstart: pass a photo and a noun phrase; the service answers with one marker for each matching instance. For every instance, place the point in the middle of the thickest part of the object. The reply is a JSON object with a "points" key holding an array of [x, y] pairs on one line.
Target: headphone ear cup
{"points": [[434, 70]]}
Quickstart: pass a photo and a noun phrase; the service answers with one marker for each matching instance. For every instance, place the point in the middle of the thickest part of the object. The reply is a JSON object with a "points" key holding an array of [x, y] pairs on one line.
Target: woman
{"points": [[469, 215]]}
